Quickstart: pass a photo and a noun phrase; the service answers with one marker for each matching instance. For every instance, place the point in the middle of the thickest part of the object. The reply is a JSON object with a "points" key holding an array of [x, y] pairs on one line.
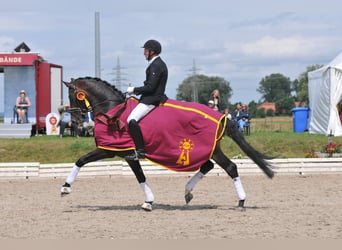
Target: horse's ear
{"points": [[68, 84]]}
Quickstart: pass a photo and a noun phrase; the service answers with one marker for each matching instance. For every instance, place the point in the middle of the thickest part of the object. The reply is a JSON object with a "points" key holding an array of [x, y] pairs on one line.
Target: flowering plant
{"points": [[328, 149], [311, 154], [331, 148]]}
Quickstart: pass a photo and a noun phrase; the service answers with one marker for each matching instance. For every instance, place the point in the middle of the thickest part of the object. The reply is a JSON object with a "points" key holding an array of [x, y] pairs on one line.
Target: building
{"points": [[41, 80], [267, 106]]}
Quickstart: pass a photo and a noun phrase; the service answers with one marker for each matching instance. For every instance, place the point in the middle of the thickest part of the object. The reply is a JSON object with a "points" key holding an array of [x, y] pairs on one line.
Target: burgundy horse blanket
{"points": [[180, 136]]}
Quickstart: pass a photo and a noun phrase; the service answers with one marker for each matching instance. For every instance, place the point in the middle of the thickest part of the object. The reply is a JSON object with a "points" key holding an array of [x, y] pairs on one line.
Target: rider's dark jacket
{"points": [[153, 91]]}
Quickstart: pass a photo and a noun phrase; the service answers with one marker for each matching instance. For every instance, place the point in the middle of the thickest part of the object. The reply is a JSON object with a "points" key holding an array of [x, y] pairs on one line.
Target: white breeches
{"points": [[140, 111]]}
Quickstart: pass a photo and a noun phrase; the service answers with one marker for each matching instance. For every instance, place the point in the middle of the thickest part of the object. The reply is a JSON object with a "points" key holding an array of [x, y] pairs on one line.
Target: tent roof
{"points": [[325, 93], [335, 63]]}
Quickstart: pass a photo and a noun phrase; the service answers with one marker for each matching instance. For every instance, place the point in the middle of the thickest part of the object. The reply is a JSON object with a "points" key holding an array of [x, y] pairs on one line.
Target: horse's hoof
{"points": [[147, 206], [241, 206], [241, 209], [188, 197], [65, 191]]}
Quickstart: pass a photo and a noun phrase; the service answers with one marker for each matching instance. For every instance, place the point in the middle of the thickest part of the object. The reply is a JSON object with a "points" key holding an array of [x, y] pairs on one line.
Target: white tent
{"points": [[325, 93]]}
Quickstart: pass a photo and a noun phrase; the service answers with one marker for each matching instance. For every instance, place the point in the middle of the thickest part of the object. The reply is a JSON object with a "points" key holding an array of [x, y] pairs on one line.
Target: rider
{"points": [[152, 94]]}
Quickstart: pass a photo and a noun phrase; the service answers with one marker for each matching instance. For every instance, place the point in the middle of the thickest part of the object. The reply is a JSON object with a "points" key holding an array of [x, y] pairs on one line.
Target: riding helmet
{"points": [[153, 45]]}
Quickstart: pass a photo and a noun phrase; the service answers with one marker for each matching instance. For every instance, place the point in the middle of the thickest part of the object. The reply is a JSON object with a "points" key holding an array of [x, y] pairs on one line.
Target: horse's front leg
{"points": [[95, 155], [139, 174]]}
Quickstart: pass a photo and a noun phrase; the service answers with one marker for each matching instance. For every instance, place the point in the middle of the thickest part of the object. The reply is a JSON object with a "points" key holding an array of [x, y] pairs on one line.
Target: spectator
{"points": [[88, 125], [215, 97], [211, 104], [243, 118], [65, 121], [228, 114], [236, 112], [22, 103]]}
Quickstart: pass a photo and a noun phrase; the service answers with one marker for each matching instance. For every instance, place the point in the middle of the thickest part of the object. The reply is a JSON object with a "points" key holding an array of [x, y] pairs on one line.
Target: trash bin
{"points": [[300, 118]]}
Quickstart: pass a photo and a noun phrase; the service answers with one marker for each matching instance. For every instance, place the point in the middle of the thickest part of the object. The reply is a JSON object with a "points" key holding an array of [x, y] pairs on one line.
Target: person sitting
{"points": [[65, 121], [236, 112], [22, 103], [244, 117], [227, 113], [211, 104]]}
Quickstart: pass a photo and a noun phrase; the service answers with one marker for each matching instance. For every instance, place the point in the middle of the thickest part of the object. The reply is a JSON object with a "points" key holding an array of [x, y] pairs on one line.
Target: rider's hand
{"points": [[130, 90]]}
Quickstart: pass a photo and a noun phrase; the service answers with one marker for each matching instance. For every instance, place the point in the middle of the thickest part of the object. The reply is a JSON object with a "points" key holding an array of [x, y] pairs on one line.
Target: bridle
{"points": [[81, 95]]}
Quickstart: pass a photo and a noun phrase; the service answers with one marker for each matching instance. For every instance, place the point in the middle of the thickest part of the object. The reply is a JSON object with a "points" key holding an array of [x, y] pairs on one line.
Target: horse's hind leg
{"points": [[95, 155], [204, 169], [231, 169], [139, 174]]}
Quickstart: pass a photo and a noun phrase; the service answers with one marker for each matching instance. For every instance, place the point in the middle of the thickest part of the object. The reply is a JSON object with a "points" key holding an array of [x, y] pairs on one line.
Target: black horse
{"points": [[100, 97]]}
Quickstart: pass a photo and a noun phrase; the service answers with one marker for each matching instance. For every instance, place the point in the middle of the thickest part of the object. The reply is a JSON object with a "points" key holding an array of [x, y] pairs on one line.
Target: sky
{"points": [[240, 41]]}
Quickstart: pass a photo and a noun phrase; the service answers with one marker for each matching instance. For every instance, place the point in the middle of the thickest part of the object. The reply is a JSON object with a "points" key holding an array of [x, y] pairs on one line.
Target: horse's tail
{"points": [[259, 158]]}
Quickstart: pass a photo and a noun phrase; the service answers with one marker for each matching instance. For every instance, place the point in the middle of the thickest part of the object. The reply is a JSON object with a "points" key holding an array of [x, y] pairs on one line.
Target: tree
{"points": [[270, 112], [198, 88], [300, 85], [285, 105], [275, 87], [260, 113], [252, 107]]}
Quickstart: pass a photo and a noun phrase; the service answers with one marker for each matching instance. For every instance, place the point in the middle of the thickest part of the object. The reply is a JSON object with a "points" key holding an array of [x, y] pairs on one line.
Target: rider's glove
{"points": [[130, 90]]}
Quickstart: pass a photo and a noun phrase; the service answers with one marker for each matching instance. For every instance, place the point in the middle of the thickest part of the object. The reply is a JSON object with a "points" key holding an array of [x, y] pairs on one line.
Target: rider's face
{"points": [[146, 53], [149, 54]]}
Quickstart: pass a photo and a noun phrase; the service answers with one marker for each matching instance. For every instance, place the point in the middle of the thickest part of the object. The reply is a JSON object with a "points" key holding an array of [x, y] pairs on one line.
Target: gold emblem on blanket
{"points": [[185, 145]]}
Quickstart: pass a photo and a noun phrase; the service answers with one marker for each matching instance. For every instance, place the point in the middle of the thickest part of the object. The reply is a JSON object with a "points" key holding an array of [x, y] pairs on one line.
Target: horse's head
{"points": [[77, 98], [93, 94], [76, 109]]}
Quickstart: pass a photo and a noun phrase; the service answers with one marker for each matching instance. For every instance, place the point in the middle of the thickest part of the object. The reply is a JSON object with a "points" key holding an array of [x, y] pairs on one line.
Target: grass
{"points": [[45, 149], [272, 124], [283, 144], [267, 135]]}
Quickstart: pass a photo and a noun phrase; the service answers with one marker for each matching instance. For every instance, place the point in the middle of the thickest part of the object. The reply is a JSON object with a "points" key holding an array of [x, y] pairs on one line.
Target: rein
{"points": [[112, 120], [71, 110], [97, 104]]}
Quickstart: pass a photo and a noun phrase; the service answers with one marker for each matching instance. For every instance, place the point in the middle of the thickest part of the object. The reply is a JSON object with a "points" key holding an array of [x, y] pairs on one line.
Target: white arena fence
{"points": [[290, 166]]}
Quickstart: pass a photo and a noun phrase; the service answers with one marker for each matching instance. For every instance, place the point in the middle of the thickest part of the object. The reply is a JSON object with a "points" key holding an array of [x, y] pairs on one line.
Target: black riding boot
{"points": [[136, 134]]}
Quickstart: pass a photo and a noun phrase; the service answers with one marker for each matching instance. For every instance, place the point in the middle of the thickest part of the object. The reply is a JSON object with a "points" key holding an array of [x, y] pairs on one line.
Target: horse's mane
{"points": [[98, 80]]}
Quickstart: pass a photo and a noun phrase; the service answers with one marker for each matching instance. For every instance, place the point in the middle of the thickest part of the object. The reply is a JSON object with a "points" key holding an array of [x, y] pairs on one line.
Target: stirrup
{"points": [[135, 156]]}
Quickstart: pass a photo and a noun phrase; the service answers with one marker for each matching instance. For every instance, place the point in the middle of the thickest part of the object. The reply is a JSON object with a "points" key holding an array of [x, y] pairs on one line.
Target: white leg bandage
{"points": [[147, 191], [239, 188], [73, 174], [193, 181]]}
